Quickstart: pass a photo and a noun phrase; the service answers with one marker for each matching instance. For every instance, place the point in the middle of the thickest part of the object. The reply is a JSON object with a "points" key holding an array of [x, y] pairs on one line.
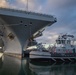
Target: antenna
{"points": [[27, 5]]}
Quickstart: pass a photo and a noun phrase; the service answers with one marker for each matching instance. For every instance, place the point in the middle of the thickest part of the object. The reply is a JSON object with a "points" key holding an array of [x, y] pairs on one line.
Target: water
{"points": [[14, 66]]}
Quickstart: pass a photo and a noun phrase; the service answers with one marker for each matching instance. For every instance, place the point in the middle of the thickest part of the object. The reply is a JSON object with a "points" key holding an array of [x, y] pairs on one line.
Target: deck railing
{"points": [[27, 12]]}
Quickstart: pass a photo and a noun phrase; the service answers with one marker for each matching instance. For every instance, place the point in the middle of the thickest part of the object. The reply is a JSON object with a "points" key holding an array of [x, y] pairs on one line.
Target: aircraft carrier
{"points": [[18, 28]]}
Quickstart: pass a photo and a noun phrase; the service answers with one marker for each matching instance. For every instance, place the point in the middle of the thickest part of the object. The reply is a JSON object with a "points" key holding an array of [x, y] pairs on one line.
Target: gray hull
{"points": [[18, 26]]}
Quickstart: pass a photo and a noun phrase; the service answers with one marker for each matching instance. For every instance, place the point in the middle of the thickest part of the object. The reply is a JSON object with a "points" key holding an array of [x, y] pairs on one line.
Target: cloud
{"points": [[22, 4], [4, 3], [31, 5], [60, 4], [64, 10], [48, 37]]}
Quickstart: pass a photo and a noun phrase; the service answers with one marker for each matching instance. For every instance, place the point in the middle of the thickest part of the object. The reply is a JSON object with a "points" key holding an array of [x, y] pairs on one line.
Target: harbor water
{"points": [[15, 66]]}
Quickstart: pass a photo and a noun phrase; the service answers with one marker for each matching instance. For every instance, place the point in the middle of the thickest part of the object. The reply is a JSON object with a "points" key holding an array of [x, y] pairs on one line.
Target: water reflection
{"points": [[25, 70], [53, 69], [14, 66], [9, 66], [1, 62]]}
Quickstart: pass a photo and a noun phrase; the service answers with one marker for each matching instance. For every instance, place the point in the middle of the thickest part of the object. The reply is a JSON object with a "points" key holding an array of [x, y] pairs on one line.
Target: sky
{"points": [[63, 10]]}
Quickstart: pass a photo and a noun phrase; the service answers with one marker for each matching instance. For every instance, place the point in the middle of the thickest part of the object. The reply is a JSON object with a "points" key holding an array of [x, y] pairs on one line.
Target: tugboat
{"points": [[64, 44], [64, 48]]}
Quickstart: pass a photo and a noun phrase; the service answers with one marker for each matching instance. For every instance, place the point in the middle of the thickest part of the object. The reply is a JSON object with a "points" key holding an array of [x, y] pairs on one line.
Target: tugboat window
{"points": [[58, 41], [63, 41], [68, 41]]}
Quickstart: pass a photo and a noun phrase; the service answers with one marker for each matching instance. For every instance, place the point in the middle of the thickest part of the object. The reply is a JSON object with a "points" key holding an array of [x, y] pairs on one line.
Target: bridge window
{"points": [[68, 41], [58, 41], [63, 41]]}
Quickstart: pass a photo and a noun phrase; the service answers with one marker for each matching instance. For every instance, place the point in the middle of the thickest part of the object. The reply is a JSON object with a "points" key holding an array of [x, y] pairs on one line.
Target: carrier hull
{"points": [[17, 27]]}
